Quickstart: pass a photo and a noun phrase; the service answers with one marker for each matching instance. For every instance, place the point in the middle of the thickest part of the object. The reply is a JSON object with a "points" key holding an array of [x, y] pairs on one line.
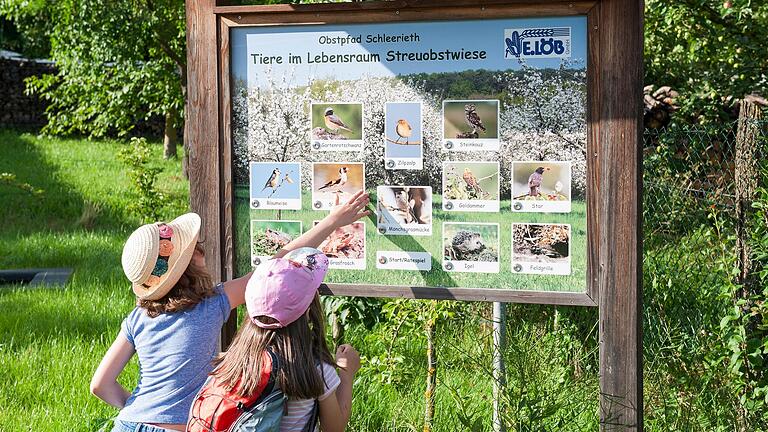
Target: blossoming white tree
{"points": [[545, 120]]}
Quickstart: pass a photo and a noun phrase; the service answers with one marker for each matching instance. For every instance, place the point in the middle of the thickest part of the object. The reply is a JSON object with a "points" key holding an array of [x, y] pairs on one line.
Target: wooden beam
{"points": [[201, 130], [620, 82], [467, 294], [349, 13], [526, 7]]}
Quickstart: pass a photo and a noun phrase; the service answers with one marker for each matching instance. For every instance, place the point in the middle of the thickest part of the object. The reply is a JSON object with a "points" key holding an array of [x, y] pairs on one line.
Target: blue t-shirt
{"points": [[175, 352]]}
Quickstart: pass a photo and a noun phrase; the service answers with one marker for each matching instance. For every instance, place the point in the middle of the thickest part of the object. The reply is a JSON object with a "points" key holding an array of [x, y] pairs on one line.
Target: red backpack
{"points": [[216, 409]]}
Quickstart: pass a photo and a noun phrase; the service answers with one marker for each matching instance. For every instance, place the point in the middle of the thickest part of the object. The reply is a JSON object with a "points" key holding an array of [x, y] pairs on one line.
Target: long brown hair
{"points": [[194, 285], [300, 347]]}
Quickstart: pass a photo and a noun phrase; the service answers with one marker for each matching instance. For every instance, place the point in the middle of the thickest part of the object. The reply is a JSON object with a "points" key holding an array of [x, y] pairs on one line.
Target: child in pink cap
{"points": [[175, 328], [286, 318]]}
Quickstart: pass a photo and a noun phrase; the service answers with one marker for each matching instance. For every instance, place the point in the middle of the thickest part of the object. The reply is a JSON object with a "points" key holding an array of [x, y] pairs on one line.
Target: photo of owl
{"points": [[471, 119]]}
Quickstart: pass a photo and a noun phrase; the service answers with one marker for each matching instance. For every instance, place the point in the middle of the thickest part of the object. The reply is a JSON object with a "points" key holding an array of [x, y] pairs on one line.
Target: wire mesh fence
{"points": [[696, 183], [690, 189]]}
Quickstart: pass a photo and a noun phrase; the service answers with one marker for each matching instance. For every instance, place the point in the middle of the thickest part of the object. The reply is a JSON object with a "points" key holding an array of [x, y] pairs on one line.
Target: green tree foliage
{"points": [[712, 52], [24, 27], [118, 62]]}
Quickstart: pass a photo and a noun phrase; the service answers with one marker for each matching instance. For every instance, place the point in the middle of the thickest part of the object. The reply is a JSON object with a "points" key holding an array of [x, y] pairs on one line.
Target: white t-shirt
{"points": [[299, 410]]}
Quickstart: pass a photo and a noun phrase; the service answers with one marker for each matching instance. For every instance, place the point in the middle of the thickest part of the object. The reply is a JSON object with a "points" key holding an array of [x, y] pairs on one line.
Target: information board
{"points": [[469, 135]]}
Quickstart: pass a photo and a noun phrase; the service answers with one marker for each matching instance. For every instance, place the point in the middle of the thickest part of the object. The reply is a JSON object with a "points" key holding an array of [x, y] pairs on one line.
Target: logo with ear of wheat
{"points": [[513, 40]]}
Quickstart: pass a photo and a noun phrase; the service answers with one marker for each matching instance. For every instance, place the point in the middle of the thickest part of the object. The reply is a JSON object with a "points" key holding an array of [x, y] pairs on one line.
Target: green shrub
{"points": [[150, 201]]}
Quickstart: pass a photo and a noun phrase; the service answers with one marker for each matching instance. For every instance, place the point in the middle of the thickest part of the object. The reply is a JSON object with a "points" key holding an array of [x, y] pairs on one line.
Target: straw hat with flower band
{"points": [[156, 255]]}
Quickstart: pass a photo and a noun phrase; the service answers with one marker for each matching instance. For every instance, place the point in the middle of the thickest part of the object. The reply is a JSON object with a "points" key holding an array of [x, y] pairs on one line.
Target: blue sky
{"points": [[470, 35], [410, 112]]}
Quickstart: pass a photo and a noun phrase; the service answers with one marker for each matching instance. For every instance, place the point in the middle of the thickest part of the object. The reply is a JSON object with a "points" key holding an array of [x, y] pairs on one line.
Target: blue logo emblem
{"points": [[554, 42]]}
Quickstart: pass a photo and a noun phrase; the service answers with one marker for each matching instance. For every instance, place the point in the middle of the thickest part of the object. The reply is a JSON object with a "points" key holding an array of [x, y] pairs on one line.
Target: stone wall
{"points": [[18, 110]]}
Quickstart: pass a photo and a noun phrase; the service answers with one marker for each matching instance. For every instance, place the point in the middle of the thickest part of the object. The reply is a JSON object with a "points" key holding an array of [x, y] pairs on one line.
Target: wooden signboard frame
{"points": [[614, 83]]}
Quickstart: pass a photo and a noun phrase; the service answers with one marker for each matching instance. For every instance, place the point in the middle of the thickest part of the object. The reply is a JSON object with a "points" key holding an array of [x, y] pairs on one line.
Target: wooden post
{"points": [[499, 372], [619, 108], [201, 133], [429, 394], [746, 182]]}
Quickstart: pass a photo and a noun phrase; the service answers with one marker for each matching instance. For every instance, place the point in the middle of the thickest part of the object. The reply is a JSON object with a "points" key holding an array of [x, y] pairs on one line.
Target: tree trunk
{"points": [[429, 411], [185, 142], [746, 178], [170, 135], [746, 182]]}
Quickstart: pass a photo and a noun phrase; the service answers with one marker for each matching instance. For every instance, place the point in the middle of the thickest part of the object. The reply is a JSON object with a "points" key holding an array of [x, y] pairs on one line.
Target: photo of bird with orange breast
{"points": [[336, 121], [403, 130], [403, 135]]}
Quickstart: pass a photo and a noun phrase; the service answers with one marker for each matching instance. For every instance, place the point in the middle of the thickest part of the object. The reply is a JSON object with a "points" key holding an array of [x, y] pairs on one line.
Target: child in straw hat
{"points": [[175, 327]]}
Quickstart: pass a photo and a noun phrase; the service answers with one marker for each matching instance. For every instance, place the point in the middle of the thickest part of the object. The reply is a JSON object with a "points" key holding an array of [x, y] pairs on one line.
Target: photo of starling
{"points": [[534, 180]]}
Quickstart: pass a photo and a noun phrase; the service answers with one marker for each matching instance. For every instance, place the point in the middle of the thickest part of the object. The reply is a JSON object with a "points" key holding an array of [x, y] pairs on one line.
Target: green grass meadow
{"points": [[505, 279], [52, 339]]}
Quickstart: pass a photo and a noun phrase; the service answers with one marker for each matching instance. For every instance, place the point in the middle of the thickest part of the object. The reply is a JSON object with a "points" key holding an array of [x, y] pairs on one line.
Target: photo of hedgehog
{"points": [[470, 242], [541, 243]]}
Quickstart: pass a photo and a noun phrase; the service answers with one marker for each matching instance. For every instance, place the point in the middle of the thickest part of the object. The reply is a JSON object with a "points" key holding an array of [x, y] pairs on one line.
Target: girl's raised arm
{"points": [[341, 215]]}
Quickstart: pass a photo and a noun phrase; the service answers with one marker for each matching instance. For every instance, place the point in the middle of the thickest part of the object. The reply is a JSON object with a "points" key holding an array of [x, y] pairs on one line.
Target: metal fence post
{"points": [[499, 381]]}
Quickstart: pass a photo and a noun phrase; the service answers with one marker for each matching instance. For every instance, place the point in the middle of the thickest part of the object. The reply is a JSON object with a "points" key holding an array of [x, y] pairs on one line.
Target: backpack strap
{"points": [[271, 383]]}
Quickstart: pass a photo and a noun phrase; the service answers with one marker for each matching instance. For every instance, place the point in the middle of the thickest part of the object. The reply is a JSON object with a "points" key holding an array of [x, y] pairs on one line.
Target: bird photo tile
{"points": [[335, 183], [541, 248], [471, 247], [471, 125], [275, 185], [471, 186], [541, 187], [336, 126], [403, 140], [345, 247], [404, 210], [269, 236]]}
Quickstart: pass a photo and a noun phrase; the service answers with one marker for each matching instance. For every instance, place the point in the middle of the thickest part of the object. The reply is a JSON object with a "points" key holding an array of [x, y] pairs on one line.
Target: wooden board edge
{"points": [[225, 169], [580, 5], [392, 14], [466, 294]]}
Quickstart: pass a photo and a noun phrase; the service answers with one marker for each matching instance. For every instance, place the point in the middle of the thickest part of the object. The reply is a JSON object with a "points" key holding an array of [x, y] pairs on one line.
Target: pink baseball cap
{"points": [[283, 288]]}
